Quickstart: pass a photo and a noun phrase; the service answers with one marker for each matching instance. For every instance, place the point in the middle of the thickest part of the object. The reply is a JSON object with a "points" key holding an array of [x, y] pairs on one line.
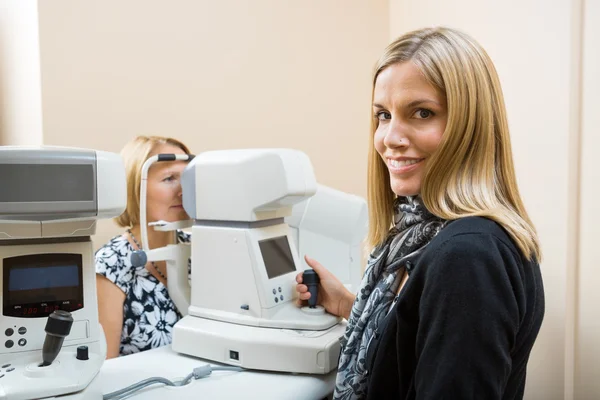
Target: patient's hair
{"points": [[134, 154], [471, 173]]}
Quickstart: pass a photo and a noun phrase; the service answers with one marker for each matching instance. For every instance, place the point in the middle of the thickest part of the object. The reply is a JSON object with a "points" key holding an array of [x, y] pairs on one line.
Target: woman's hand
{"points": [[332, 294]]}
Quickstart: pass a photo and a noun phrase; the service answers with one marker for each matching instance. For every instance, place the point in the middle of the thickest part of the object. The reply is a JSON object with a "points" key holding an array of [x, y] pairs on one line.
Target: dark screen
{"points": [[46, 182], [35, 285], [47, 277], [277, 256]]}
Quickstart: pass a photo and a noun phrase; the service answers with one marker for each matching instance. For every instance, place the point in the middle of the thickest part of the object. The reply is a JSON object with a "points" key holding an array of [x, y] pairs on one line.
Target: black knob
{"points": [[59, 323], [138, 258], [311, 279], [58, 327], [82, 353]]}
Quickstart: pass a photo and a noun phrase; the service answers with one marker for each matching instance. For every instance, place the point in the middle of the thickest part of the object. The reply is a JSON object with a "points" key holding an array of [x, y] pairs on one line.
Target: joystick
{"points": [[58, 327], [311, 280]]}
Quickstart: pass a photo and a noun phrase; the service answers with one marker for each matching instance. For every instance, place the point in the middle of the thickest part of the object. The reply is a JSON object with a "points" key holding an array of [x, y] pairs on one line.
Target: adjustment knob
{"points": [[138, 258], [58, 326], [59, 323], [82, 353]]}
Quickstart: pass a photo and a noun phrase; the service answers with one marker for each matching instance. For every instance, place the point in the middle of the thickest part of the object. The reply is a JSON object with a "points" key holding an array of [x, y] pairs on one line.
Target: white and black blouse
{"points": [[149, 314]]}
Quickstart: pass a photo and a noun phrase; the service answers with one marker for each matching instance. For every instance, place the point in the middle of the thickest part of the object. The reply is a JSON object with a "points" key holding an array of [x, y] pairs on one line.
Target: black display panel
{"points": [[26, 183], [36, 285], [277, 256]]}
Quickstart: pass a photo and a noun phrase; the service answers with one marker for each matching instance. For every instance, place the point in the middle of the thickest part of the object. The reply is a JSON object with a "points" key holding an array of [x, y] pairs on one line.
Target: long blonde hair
{"points": [[134, 154], [471, 173]]}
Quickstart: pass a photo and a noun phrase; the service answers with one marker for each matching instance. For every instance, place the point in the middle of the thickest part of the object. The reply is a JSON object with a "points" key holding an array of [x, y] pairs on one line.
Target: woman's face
{"points": [[412, 117], [163, 200]]}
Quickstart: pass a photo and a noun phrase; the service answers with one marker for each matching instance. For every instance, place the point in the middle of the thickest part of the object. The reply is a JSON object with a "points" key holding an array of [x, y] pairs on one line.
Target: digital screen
{"points": [[277, 256], [43, 277], [25, 183], [36, 285]]}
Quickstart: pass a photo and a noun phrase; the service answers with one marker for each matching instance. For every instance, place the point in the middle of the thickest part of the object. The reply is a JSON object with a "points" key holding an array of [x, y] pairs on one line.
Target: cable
{"points": [[198, 372], [121, 394]]}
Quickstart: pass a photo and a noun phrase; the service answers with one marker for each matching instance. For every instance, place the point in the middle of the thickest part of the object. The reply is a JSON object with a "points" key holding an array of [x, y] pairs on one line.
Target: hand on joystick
{"points": [[58, 327], [333, 295]]}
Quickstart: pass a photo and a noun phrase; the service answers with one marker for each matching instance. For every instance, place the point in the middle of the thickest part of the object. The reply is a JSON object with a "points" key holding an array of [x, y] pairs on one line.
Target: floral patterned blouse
{"points": [[148, 312]]}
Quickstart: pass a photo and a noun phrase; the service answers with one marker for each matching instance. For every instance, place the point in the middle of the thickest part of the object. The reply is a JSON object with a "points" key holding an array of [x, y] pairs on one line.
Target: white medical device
{"points": [[50, 199], [245, 258], [244, 265], [331, 227]]}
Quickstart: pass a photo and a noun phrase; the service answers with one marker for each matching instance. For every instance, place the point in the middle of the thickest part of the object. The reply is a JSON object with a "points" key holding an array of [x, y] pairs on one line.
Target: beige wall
{"points": [[530, 45], [588, 321], [215, 74], [20, 86]]}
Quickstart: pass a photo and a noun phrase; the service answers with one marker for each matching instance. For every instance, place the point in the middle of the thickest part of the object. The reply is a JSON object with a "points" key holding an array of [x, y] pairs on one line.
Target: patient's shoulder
{"points": [[113, 261]]}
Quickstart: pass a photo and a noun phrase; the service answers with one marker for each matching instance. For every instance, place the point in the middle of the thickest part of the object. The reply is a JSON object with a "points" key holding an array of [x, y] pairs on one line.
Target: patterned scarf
{"points": [[413, 229]]}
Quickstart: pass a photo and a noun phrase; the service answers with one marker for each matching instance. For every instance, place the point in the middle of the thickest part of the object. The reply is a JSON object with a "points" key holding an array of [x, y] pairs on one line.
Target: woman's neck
{"points": [[155, 238]]}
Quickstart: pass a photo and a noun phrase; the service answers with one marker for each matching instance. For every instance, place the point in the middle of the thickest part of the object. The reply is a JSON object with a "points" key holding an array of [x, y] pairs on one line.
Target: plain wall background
{"points": [[587, 327], [20, 86], [267, 73]]}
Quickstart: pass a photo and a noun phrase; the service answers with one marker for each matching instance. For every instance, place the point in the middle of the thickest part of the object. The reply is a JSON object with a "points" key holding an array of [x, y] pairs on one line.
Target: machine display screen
{"points": [[24, 183], [277, 256], [36, 285]]}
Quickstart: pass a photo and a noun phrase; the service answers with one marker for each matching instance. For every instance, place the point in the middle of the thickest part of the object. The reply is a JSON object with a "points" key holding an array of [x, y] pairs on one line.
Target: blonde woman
{"points": [[452, 298], [134, 306]]}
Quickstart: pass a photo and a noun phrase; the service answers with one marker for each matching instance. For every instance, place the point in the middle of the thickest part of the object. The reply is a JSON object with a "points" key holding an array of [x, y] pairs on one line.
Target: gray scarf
{"points": [[413, 229]]}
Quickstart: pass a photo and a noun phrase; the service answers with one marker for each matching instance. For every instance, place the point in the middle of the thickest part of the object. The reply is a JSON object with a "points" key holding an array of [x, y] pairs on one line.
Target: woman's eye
{"points": [[423, 113], [382, 115], [169, 179]]}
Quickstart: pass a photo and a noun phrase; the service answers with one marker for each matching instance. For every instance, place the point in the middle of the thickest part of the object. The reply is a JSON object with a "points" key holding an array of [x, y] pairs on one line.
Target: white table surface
{"points": [[163, 362]]}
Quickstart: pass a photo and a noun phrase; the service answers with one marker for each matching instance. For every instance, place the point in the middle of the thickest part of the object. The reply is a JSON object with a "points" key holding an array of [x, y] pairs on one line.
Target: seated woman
{"points": [[134, 306]]}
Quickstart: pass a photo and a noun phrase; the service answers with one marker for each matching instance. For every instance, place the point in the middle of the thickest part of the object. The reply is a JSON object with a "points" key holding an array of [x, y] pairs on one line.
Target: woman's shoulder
{"points": [[471, 233], [468, 243], [474, 249], [114, 255], [113, 262], [117, 246]]}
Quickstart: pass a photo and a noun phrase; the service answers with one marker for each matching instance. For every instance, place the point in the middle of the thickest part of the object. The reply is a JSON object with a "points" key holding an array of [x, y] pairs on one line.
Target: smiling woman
{"points": [[452, 298], [134, 306]]}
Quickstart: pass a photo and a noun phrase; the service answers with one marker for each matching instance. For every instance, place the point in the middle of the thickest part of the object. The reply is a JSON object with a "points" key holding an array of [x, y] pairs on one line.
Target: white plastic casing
{"points": [[110, 199], [331, 227], [246, 185], [111, 184]]}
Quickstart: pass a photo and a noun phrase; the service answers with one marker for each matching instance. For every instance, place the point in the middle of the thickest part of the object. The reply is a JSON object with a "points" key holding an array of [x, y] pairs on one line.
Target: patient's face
{"points": [[164, 188]]}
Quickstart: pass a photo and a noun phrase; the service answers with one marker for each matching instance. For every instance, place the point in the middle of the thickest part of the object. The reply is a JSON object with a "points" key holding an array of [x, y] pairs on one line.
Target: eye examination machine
{"points": [[251, 211], [253, 215], [50, 200]]}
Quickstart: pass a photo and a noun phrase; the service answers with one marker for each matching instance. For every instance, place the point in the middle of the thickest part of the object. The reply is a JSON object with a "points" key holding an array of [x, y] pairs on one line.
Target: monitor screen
{"points": [[26, 183], [277, 256], [35, 285], [43, 277]]}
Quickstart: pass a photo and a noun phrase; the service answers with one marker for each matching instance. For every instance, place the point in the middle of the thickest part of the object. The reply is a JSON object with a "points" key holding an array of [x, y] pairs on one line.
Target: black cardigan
{"points": [[464, 323]]}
